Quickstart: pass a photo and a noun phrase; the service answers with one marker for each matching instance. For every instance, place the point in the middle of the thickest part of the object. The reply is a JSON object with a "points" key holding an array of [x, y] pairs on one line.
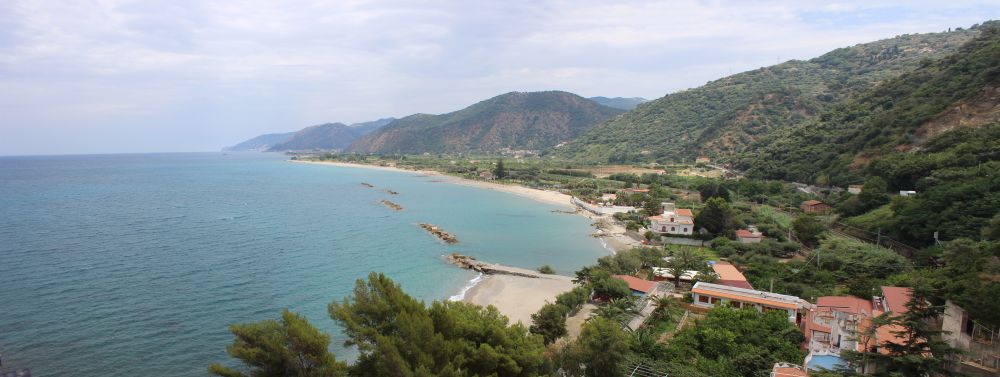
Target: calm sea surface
{"points": [[134, 265]]}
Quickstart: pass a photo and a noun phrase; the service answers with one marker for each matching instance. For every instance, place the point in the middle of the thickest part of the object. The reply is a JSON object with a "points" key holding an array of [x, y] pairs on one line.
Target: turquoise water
{"points": [[134, 265]]}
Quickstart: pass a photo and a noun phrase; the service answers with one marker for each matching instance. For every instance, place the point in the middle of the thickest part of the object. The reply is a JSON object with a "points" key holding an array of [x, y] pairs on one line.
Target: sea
{"points": [[136, 264]]}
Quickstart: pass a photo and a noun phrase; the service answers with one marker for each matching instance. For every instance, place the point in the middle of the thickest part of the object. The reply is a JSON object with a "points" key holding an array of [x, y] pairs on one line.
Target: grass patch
{"points": [[780, 218]]}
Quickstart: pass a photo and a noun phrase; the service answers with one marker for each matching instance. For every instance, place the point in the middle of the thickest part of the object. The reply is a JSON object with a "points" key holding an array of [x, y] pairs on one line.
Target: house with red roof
{"points": [[673, 220], [639, 287], [815, 206], [838, 323], [749, 235], [730, 275]]}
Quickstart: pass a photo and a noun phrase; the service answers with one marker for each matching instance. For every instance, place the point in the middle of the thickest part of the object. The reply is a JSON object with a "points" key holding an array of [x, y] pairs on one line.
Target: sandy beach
{"points": [[545, 196], [518, 297]]}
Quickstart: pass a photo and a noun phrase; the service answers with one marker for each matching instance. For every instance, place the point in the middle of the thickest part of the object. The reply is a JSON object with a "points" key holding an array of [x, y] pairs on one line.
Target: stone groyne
{"points": [[439, 233], [393, 206], [467, 262]]}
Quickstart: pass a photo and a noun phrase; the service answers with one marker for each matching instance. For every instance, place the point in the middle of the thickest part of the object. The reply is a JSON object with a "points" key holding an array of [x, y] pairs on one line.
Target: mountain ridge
{"points": [[722, 118], [514, 120]]}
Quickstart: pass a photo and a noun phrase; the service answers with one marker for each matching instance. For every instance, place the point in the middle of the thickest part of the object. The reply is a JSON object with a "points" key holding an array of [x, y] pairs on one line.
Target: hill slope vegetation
{"points": [[722, 118], [900, 115], [515, 120]]}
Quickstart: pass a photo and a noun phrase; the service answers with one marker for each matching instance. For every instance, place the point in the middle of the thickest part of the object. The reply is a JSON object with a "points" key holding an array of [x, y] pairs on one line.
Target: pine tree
{"points": [[499, 172], [921, 352], [288, 348]]}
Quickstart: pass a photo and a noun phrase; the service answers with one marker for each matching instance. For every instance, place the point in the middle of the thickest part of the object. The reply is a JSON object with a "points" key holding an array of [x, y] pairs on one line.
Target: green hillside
{"points": [[516, 120], [898, 116], [722, 118]]}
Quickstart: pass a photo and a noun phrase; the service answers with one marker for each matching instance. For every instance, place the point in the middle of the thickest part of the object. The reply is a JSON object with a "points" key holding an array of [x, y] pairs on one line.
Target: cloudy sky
{"points": [[111, 76]]}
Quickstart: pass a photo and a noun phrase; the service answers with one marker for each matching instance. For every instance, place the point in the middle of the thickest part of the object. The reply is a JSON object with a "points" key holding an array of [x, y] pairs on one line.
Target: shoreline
{"points": [[545, 196], [516, 297]]}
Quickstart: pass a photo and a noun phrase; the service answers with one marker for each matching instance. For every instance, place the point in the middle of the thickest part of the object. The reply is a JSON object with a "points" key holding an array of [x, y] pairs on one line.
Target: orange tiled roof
{"points": [[812, 202], [743, 233], [684, 212], [745, 298], [896, 298], [637, 284]]}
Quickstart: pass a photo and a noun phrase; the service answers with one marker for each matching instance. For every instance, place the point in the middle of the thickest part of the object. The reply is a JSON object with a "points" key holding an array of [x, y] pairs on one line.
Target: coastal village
{"points": [[677, 270]]}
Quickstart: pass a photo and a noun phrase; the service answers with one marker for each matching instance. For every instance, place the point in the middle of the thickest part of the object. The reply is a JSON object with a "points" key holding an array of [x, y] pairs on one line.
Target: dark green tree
{"points": [[992, 230], [874, 194], [396, 335], [717, 217], [713, 190], [920, 351], [550, 322], [498, 171], [808, 229], [291, 347], [600, 351]]}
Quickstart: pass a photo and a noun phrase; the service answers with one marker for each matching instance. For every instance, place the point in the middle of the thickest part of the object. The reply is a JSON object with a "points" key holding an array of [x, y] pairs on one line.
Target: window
{"points": [[736, 304], [673, 228], [703, 299], [664, 229], [685, 230], [671, 219], [715, 300]]}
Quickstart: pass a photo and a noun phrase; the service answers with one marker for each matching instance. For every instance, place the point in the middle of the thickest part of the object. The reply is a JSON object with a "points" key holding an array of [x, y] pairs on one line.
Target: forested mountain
{"points": [[515, 120], [261, 143], [900, 115], [329, 136], [619, 102], [723, 117]]}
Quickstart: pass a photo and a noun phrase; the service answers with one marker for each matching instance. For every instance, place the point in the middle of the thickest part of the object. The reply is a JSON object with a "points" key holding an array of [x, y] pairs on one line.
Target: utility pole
{"points": [[878, 237]]}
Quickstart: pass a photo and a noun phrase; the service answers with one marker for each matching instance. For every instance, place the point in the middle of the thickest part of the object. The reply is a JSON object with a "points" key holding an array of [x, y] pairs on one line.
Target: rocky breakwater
{"points": [[467, 262], [439, 233], [393, 206]]}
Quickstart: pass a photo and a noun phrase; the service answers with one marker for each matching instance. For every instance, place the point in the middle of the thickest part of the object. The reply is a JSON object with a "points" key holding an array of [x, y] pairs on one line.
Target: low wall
{"points": [[684, 241]]}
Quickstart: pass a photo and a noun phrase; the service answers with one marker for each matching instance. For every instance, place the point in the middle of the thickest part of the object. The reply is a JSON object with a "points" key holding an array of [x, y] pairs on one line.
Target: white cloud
{"points": [[165, 69]]}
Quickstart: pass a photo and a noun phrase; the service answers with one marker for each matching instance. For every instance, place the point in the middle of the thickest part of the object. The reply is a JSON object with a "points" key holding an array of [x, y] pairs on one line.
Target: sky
{"points": [[116, 76]]}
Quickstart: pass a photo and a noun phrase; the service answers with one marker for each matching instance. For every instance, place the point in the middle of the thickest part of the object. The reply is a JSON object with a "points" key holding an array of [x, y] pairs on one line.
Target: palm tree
{"points": [[684, 260], [618, 310], [665, 306]]}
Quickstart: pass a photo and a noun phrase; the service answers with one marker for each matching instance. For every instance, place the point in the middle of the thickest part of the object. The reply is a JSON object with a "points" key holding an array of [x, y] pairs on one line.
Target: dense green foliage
{"points": [[397, 335], [599, 352], [717, 217], [291, 347], [550, 322], [883, 121], [725, 116], [729, 342], [515, 120], [808, 229]]}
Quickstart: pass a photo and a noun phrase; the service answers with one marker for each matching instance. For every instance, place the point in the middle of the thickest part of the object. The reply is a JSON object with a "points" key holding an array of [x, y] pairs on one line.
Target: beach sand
{"points": [[545, 196], [518, 297]]}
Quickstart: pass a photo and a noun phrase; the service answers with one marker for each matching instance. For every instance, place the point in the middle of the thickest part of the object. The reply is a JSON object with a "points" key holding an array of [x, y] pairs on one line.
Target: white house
{"points": [[855, 189], [673, 220], [708, 295], [907, 193]]}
